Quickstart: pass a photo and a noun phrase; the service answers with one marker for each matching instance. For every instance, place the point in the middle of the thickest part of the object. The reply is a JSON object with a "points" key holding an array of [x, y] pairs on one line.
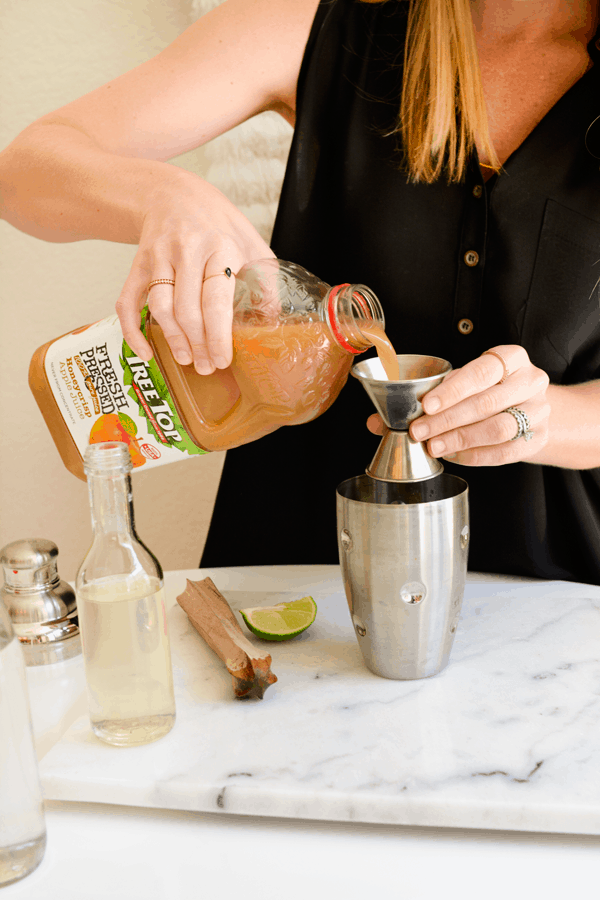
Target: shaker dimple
{"points": [[346, 539], [359, 626], [413, 592]]}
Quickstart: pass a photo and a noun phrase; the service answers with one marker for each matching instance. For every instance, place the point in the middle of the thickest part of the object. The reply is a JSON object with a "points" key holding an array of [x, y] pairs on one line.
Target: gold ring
{"points": [[226, 272], [503, 361], [160, 281]]}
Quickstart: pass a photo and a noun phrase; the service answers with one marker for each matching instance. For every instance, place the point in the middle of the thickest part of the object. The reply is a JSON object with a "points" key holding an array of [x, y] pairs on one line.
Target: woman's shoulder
{"points": [[264, 40]]}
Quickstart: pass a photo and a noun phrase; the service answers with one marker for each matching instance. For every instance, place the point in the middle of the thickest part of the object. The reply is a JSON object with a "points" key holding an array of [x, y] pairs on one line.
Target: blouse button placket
{"points": [[471, 268]]}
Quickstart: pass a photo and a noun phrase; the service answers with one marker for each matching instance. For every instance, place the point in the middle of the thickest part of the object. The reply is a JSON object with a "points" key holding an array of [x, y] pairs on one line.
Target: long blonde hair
{"points": [[442, 110]]}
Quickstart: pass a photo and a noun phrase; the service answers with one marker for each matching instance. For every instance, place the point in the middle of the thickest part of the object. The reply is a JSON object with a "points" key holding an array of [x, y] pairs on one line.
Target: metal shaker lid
{"points": [[29, 554], [30, 563], [43, 608]]}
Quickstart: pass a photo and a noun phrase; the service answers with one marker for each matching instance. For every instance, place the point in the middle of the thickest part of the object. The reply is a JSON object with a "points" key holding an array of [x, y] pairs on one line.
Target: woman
{"points": [[476, 222]]}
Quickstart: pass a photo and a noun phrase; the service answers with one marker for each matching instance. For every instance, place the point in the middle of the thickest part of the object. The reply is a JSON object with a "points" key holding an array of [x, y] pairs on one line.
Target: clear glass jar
{"points": [[22, 823], [122, 614]]}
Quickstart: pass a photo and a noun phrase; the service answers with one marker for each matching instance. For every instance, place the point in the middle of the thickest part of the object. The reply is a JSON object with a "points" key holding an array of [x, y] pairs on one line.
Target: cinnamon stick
{"points": [[214, 620]]}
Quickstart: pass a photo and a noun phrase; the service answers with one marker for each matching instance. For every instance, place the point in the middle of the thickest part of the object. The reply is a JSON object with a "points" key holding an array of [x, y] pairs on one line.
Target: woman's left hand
{"points": [[465, 418]]}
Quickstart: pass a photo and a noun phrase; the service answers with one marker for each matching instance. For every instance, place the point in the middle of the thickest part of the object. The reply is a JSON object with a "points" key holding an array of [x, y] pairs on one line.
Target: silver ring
{"points": [[523, 423]]}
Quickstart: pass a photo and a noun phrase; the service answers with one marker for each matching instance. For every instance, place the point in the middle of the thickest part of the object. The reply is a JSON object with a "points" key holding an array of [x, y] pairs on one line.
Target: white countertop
{"points": [[461, 749]]}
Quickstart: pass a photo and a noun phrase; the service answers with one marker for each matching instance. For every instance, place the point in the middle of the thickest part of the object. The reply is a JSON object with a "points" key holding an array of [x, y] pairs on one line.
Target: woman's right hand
{"points": [[190, 233]]}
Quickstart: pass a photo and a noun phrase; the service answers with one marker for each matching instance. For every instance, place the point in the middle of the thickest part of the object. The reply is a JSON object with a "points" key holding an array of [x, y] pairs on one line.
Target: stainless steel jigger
{"points": [[399, 457], [403, 534]]}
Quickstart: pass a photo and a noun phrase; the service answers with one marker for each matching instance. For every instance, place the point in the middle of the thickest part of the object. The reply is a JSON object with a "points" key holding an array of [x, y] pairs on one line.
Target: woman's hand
{"points": [[465, 418], [192, 234]]}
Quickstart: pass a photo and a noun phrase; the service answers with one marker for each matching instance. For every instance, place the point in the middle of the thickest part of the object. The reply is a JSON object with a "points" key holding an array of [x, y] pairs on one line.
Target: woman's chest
{"points": [[521, 84]]}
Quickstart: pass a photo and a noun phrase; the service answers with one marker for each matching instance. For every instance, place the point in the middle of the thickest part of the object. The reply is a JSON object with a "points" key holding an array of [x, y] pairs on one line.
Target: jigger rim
{"points": [[358, 368]]}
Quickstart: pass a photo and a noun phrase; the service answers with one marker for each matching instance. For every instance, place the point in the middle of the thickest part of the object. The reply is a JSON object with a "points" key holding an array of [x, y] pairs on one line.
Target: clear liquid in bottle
{"points": [[127, 660]]}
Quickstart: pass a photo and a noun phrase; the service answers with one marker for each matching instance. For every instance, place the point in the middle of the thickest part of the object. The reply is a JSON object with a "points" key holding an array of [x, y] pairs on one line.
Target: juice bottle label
{"points": [[106, 393]]}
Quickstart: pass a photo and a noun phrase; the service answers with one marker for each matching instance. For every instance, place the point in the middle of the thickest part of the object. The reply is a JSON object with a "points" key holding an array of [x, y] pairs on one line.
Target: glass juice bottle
{"points": [[22, 824], [294, 341], [122, 615]]}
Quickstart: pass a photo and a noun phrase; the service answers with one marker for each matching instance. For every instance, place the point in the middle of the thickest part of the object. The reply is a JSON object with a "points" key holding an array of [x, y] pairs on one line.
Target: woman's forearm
{"points": [[58, 185], [574, 427]]}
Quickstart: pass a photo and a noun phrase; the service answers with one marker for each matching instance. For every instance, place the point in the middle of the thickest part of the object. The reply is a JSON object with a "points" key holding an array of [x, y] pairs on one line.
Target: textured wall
{"points": [[51, 53], [248, 163]]}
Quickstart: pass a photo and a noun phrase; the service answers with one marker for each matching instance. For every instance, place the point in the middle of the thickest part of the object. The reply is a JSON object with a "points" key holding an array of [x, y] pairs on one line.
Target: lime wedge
{"points": [[281, 622]]}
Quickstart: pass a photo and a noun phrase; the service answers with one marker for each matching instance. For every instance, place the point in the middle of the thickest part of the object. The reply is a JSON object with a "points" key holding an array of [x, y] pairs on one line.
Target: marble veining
{"points": [[506, 737]]}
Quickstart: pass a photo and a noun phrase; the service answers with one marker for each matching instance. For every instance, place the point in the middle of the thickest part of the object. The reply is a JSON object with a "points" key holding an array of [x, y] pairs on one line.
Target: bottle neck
{"points": [[352, 312], [111, 503]]}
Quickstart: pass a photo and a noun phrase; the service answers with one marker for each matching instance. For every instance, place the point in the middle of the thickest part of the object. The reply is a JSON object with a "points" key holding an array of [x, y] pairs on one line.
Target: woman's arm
{"points": [[109, 146], [573, 427], [97, 168]]}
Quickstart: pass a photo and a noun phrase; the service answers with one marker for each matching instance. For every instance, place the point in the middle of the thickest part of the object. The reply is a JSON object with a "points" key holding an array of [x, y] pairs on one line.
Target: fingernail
{"points": [[220, 362], [419, 432], [432, 403], [184, 359], [437, 448], [203, 367], [450, 456]]}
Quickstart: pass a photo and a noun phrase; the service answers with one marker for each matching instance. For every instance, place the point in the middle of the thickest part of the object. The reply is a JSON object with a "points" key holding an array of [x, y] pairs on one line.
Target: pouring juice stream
{"points": [[385, 350]]}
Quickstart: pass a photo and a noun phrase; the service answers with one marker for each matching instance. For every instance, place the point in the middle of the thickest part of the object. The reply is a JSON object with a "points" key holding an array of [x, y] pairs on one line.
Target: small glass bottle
{"points": [[122, 615], [22, 824]]}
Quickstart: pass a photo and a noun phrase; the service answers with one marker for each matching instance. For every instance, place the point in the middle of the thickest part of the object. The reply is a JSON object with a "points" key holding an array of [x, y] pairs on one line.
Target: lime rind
{"points": [[280, 622]]}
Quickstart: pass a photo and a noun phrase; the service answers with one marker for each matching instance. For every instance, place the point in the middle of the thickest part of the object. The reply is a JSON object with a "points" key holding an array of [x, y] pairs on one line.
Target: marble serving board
{"points": [[506, 737]]}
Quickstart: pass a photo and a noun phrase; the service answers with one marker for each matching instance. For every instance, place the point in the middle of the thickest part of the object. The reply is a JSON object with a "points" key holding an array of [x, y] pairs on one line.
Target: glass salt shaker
{"points": [[22, 823]]}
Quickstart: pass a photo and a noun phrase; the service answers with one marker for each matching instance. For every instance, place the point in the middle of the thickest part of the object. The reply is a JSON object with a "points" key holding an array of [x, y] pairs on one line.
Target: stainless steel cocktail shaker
{"points": [[42, 607], [403, 536]]}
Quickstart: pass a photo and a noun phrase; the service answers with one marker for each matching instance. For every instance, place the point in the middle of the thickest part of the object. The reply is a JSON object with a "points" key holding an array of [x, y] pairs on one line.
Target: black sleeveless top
{"points": [[348, 214]]}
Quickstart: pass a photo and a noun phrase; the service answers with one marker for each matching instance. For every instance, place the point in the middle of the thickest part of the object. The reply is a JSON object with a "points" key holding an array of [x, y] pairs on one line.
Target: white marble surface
{"points": [[507, 737]]}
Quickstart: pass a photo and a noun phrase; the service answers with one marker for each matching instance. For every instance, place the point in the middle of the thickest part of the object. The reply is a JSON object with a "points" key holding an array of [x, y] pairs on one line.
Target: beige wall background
{"points": [[51, 53]]}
